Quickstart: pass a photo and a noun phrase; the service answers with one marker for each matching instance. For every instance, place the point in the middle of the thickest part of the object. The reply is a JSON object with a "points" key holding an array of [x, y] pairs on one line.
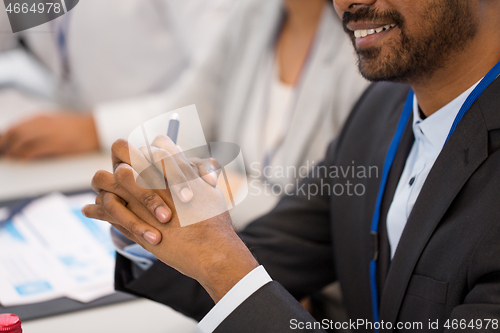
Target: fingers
{"points": [[123, 184], [7, 139], [32, 150], [123, 152], [96, 211], [17, 145], [14, 141], [126, 233], [104, 180], [23, 135], [127, 178], [164, 142], [210, 170], [170, 161], [177, 181], [113, 206]]}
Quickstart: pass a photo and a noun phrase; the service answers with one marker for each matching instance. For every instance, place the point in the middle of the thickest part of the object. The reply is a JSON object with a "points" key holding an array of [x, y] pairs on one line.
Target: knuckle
{"points": [[100, 177], [176, 178], [115, 187], [101, 212], [119, 145], [159, 137], [122, 174], [160, 154], [135, 228], [149, 200], [109, 205], [162, 138]]}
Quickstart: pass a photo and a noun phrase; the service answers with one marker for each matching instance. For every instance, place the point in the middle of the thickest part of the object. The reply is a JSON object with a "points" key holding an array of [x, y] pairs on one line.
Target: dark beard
{"points": [[448, 25]]}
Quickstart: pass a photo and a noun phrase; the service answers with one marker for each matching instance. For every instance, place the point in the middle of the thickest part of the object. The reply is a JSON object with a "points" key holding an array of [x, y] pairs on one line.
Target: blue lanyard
{"points": [[391, 154]]}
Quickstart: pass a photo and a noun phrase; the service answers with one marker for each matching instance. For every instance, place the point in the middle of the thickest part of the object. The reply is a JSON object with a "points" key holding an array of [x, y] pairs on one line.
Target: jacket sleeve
{"points": [[165, 285], [270, 309], [482, 302]]}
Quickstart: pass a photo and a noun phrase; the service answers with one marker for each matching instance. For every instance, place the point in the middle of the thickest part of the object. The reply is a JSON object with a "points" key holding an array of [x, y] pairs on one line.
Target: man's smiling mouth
{"points": [[367, 32]]}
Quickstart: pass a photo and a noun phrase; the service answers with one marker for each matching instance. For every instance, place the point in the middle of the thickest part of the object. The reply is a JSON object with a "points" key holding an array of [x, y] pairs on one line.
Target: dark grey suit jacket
{"points": [[447, 265]]}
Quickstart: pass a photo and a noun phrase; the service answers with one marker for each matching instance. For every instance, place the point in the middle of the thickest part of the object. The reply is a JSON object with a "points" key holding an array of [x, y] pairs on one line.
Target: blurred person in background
{"points": [[279, 82], [282, 71], [57, 78]]}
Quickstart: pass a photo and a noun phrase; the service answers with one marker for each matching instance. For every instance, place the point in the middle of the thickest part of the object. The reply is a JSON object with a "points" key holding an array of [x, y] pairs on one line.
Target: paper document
{"points": [[51, 250]]}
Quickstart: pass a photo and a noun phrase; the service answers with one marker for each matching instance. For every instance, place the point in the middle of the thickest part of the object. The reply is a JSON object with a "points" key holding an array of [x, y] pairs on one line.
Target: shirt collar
{"points": [[436, 127]]}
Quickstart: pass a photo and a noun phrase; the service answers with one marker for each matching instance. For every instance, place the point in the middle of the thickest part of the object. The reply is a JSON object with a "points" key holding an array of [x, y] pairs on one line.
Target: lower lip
{"points": [[371, 40]]}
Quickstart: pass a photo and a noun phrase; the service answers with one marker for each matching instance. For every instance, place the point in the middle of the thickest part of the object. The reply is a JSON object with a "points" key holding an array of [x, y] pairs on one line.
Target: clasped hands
{"points": [[140, 200]]}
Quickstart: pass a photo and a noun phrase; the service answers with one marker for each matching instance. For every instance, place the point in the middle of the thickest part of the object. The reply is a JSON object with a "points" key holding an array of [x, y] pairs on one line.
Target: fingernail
{"points": [[150, 237], [83, 211], [211, 178], [162, 214], [186, 195]]}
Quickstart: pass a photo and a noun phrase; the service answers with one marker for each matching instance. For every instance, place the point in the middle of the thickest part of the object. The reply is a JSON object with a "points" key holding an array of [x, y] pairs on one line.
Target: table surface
{"points": [[28, 179], [134, 316]]}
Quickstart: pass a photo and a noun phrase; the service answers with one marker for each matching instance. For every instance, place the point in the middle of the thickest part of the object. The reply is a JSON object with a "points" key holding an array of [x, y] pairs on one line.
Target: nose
{"points": [[342, 6]]}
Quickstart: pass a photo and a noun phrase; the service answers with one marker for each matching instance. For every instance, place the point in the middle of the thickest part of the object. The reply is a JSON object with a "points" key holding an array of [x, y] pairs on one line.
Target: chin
{"points": [[376, 66]]}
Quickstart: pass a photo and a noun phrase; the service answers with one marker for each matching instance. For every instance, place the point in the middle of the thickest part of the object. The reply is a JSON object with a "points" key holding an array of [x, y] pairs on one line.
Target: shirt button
{"points": [[412, 180]]}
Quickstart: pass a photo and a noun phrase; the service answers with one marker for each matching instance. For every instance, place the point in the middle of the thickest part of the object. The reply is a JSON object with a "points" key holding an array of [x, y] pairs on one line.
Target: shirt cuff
{"points": [[252, 282]]}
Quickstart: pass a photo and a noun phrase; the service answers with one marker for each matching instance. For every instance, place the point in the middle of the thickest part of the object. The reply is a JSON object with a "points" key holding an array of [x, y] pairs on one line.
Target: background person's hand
{"points": [[208, 251], [50, 135]]}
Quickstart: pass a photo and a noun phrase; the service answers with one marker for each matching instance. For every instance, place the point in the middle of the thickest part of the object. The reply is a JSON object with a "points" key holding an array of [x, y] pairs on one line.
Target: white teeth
{"points": [[368, 32]]}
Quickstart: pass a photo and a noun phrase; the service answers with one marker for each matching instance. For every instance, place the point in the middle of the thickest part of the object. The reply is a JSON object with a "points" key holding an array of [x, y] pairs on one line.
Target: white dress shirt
{"points": [[430, 137]]}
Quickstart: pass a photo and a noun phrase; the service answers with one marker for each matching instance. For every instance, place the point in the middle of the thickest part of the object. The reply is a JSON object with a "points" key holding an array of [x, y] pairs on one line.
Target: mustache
{"points": [[370, 14]]}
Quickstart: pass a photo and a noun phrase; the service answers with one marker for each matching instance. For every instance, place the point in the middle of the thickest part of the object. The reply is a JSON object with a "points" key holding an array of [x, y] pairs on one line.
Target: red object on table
{"points": [[10, 323]]}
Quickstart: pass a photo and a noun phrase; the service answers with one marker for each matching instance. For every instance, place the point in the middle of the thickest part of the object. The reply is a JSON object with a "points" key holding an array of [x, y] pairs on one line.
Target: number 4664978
{"points": [[40, 8]]}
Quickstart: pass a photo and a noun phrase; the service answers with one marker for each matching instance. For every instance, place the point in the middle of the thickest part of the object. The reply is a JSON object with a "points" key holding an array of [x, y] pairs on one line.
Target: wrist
{"points": [[223, 272]]}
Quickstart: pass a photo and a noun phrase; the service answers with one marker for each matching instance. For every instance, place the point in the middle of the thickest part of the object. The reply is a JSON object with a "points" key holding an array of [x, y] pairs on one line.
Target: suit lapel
{"points": [[466, 149], [384, 257]]}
